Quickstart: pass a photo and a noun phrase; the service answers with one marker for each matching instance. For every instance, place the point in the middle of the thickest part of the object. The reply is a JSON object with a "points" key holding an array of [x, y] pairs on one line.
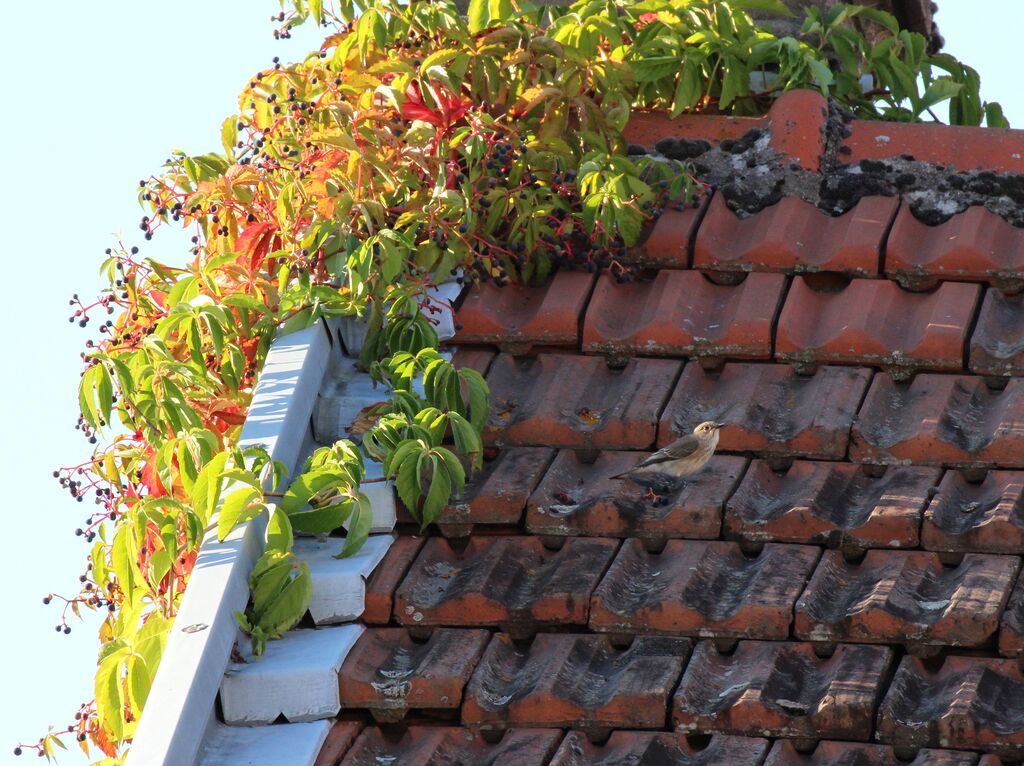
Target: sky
{"points": [[120, 85]]}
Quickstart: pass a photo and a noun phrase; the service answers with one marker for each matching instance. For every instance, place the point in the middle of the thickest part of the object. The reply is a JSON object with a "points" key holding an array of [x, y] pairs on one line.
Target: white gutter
{"points": [[181, 703]]}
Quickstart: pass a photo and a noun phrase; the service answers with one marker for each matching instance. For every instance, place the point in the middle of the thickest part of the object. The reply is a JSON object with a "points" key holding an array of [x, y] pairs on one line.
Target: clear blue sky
{"points": [[98, 95]]}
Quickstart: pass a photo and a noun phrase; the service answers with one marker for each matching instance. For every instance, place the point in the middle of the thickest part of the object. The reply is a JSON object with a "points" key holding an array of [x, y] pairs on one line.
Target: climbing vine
{"points": [[416, 145]]}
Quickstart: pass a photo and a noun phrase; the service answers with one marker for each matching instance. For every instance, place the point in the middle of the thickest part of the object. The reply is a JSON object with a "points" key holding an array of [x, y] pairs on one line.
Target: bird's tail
{"points": [[620, 475]]}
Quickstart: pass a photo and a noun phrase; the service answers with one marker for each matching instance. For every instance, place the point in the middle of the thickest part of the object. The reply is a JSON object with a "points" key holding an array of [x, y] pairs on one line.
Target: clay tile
{"points": [[389, 674], [578, 681], [997, 345], [985, 516], [580, 498], [517, 317], [512, 582], [452, 746], [861, 754], [381, 586], [780, 689], [959, 147], [702, 588], [577, 401], [797, 119], [975, 245], [1011, 630], [991, 760], [339, 740], [874, 322], [952, 420], [649, 748], [478, 359], [497, 493], [768, 409], [681, 313], [966, 703], [833, 503], [649, 129], [669, 243], [905, 597], [794, 236]]}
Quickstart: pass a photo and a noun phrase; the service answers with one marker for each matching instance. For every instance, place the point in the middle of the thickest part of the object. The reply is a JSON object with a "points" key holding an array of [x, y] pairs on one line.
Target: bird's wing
{"points": [[677, 450]]}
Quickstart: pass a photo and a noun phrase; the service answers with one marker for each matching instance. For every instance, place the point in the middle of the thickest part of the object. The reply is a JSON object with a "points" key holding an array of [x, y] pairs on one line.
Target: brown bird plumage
{"points": [[682, 457]]}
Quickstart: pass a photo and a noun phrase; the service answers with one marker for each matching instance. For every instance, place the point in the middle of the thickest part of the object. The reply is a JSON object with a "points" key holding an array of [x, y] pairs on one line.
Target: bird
{"points": [[682, 457]]}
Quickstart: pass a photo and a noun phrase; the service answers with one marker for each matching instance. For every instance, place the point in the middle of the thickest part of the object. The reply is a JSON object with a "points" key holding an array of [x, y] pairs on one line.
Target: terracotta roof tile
{"points": [[964, 148], [681, 313], [772, 688], [906, 597], [833, 503], [648, 128], [860, 754], [577, 401], [511, 582], [497, 493], [381, 586], [452, 746], [997, 345], [516, 318], [1011, 629], [670, 242], [774, 319], [649, 748], [875, 322], [768, 408], [975, 245], [339, 740], [579, 498], [985, 516], [475, 358], [952, 420], [794, 236], [702, 588], [966, 703], [389, 674], [578, 681]]}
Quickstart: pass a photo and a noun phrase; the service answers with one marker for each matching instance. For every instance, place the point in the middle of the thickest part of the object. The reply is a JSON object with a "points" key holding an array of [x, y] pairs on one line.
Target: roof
{"points": [[840, 585]]}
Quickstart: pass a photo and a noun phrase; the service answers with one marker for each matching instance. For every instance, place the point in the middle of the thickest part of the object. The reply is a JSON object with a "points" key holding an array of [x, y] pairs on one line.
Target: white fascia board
{"points": [[295, 744], [296, 677], [199, 645]]}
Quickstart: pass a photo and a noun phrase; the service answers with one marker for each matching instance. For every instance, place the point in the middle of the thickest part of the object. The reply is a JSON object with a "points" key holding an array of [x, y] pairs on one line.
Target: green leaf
{"points": [[940, 89], [279, 532], [206, 489], [478, 15], [240, 506], [407, 483], [228, 135], [358, 528], [438, 493]]}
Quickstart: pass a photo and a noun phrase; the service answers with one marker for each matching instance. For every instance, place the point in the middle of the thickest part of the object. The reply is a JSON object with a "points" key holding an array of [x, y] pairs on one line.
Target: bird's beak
{"points": [[719, 425]]}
